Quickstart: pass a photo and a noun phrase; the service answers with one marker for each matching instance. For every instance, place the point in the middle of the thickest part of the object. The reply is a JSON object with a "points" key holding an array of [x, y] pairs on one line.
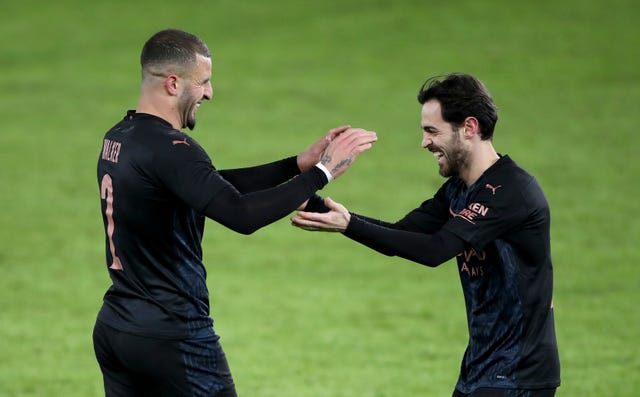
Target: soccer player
{"points": [[154, 335], [493, 217]]}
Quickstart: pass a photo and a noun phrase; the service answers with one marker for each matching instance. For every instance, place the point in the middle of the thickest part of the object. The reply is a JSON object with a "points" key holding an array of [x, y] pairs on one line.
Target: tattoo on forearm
{"points": [[325, 159], [346, 162]]}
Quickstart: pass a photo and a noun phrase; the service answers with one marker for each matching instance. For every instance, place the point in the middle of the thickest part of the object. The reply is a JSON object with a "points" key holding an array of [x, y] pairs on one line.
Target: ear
{"points": [[171, 84], [471, 127]]}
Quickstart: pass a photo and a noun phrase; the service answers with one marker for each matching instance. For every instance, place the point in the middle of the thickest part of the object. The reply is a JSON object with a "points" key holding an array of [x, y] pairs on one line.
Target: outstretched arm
{"points": [[251, 179], [192, 177], [427, 249]]}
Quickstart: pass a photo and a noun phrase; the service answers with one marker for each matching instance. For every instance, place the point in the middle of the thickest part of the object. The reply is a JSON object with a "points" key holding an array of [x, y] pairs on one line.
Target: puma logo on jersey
{"points": [[182, 142], [493, 189]]}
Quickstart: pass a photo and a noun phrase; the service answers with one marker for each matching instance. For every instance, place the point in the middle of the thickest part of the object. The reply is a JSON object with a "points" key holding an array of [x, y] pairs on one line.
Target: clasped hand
{"points": [[338, 149], [336, 220]]}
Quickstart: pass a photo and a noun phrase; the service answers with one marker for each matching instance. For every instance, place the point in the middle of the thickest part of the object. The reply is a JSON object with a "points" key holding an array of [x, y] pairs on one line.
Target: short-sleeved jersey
{"points": [[506, 275], [157, 185]]}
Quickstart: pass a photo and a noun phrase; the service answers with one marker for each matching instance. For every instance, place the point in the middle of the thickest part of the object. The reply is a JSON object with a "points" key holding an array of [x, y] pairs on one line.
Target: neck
{"points": [[481, 158], [159, 106]]}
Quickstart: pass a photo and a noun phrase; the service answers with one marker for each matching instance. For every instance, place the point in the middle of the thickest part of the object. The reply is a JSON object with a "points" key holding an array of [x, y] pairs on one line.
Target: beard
{"points": [[188, 107], [456, 158], [191, 121]]}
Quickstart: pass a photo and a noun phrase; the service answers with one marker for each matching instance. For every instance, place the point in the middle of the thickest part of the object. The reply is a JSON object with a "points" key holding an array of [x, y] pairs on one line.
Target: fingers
{"points": [[335, 220], [304, 217], [306, 221], [314, 220], [352, 138], [358, 140], [313, 154], [334, 132], [343, 150], [332, 205], [353, 141], [355, 136]]}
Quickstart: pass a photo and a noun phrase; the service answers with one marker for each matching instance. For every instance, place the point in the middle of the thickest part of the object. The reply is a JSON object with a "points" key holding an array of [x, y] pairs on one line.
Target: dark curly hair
{"points": [[460, 96]]}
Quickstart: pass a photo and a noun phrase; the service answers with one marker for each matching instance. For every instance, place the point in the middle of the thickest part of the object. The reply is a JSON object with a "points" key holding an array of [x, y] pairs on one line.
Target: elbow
{"points": [[242, 225], [239, 220], [433, 261], [245, 229], [426, 262]]}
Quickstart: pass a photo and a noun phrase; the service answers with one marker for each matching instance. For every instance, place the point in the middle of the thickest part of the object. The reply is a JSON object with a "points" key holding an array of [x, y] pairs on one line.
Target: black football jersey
{"points": [[157, 185], [502, 224]]}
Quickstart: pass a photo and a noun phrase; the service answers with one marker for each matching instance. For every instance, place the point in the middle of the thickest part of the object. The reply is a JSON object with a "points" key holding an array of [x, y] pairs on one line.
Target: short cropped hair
{"points": [[171, 51], [460, 96]]}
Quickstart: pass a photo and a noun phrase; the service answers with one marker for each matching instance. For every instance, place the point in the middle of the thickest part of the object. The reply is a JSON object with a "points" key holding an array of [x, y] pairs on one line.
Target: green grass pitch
{"points": [[304, 314]]}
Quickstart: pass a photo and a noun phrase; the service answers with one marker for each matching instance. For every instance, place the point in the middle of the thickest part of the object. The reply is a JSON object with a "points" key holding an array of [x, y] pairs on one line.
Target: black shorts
{"points": [[491, 392], [133, 365]]}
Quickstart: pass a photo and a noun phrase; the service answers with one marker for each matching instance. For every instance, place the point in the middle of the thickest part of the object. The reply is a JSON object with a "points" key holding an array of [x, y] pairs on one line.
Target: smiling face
{"points": [[443, 140], [198, 88]]}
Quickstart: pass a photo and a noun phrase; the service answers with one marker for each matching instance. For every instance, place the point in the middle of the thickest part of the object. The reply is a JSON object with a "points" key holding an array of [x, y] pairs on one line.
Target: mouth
{"points": [[194, 109], [439, 157]]}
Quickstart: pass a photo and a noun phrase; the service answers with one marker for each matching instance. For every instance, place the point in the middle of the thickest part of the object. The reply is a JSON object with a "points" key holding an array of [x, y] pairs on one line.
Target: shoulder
{"points": [[506, 174], [163, 146], [158, 134], [510, 183], [166, 142]]}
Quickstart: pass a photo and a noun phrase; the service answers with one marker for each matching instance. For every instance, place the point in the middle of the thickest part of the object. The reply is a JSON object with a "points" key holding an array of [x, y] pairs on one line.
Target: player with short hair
{"points": [[492, 216], [154, 335]]}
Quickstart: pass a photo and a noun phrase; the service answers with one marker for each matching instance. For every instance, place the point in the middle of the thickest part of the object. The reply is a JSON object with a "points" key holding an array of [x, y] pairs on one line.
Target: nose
{"points": [[426, 141], [208, 91]]}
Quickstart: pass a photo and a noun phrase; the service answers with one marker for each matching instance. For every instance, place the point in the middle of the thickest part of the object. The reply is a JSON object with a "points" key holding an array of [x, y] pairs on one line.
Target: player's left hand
{"points": [[336, 220], [312, 155]]}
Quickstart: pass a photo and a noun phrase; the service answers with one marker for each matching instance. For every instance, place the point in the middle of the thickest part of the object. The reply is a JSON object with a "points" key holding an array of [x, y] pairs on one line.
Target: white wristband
{"points": [[325, 170]]}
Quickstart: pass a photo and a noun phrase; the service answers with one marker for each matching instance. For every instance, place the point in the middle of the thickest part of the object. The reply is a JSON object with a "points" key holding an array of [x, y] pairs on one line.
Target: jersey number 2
{"points": [[106, 193]]}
